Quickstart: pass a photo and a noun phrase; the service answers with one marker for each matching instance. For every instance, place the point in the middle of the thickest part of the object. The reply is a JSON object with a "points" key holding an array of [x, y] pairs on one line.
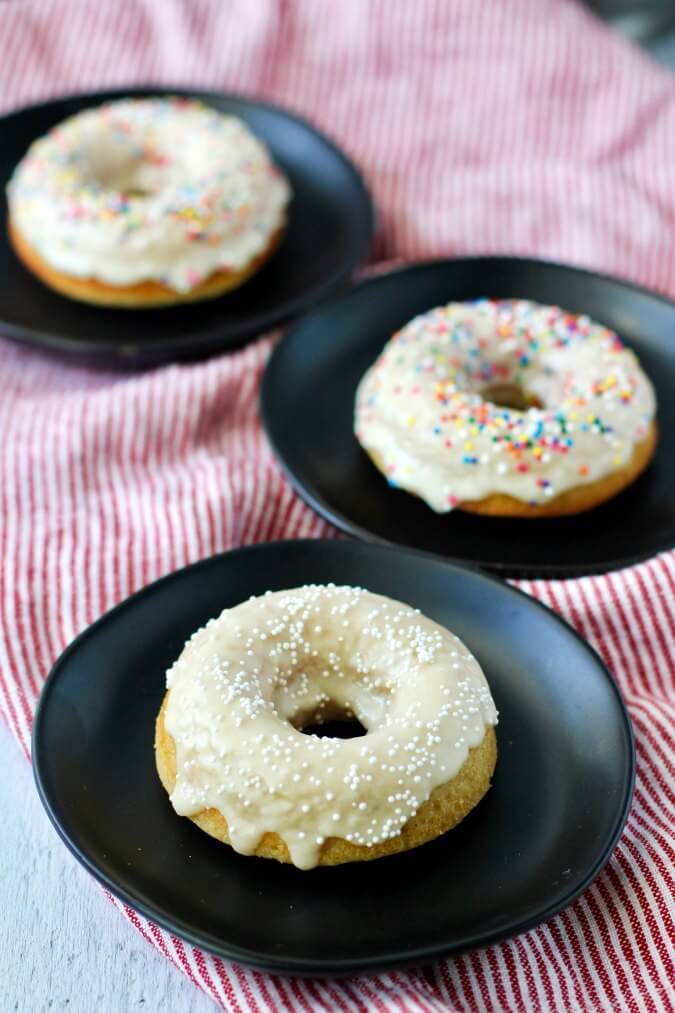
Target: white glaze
{"points": [[245, 680], [212, 199], [420, 409]]}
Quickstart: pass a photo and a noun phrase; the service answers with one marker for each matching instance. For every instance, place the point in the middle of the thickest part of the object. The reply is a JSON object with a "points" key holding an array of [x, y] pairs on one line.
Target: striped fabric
{"points": [[516, 126]]}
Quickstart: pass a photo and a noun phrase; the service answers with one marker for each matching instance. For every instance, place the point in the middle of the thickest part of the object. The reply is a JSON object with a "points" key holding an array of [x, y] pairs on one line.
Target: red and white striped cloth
{"points": [[518, 126]]}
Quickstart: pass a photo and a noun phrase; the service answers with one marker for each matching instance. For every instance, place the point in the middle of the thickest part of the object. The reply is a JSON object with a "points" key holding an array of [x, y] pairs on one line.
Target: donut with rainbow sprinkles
{"points": [[146, 202], [507, 408]]}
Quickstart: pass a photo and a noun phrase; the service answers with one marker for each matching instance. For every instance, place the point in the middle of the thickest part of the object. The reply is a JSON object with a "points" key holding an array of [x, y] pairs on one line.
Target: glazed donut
{"points": [[146, 202], [230, 749], [433, 414]]}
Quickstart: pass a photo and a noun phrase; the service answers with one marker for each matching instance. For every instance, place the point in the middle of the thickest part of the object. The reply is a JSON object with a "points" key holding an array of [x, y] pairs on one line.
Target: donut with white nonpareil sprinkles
{"points": [[507, 408], [147, 202], [229, 742]]}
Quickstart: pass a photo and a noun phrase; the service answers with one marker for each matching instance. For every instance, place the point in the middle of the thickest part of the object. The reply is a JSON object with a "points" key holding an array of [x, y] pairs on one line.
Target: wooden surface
{"points": [[63, 946]]}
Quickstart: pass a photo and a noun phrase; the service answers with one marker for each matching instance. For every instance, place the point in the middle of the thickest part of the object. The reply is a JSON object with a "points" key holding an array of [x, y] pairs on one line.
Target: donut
{"points": [[231, 752], [507, 408], [146, 202]]}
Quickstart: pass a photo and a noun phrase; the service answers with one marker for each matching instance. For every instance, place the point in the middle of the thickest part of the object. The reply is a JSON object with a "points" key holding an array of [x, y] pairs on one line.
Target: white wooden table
{"points": [[63, 946]]}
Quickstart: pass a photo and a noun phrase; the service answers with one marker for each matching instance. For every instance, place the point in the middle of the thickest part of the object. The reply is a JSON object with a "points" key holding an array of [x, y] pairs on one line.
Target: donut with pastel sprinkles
{"points": [[146, 202]]}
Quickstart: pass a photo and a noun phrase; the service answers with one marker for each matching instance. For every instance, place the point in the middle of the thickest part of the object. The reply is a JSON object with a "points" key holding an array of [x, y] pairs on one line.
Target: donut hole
{"points": [[345, 728], [133, 180], [509, 395], [340, 704], [133, 175], [329, 721]]}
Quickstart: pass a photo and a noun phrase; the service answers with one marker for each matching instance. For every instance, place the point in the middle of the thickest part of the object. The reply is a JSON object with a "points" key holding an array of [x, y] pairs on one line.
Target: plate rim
{"points": [[318, 967], [113, 351], [317, 502]]}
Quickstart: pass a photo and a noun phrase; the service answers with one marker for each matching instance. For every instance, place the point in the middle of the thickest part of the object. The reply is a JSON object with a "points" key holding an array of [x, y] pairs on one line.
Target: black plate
{"points": [[308, 399], [329, 233], [527, 850]]}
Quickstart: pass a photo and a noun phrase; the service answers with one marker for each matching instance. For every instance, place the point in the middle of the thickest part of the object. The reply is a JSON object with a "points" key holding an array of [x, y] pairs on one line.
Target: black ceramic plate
{"points": [[308, 399], [525, 852], [329, 233]]}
